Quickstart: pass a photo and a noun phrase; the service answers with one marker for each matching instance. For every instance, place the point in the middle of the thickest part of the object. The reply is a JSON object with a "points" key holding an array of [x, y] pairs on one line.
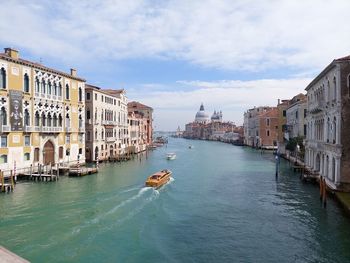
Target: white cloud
{"points": [[233, 97], [243, 35]]}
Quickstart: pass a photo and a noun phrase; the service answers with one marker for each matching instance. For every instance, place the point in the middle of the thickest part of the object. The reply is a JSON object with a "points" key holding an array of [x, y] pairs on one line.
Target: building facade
{"points": [[328, 123], [42, 114], [296, 117], [106, 123], [147, 118]]}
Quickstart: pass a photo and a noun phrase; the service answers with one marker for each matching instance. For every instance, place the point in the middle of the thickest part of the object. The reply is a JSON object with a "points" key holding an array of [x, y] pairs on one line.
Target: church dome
{"points": [[201, 115]]}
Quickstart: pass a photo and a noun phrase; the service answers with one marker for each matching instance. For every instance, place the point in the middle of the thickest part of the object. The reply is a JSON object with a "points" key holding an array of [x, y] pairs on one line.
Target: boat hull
{"points": [[158, 179]]}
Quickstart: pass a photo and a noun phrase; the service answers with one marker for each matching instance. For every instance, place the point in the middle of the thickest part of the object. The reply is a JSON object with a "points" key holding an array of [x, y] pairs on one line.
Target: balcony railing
{"points": [[28, 128], [4, 128], [110, 139], [46, 129], [109, 123], [68, 129]]}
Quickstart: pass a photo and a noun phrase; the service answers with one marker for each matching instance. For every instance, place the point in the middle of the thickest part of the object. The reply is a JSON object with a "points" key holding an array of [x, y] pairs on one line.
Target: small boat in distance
{"points": [[158, 179], [171, 156], [190, 147]]}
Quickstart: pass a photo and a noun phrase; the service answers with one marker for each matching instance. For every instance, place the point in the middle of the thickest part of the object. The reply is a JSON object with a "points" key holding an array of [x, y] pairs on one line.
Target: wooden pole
{"points": [[2, 181], [324, 193], [58, 172], [12, 181], [321, 188], [31, 171]]}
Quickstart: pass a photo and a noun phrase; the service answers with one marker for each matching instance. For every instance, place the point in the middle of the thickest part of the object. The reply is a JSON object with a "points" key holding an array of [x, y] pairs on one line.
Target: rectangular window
{"points": [[268, 122], [3, 158], [60, 152], [36, 154], [26, 157], [4, 141], [102, 98], [88, 96], [27, 140], [284, 113], [296, 114], [95, 96], [80, 150], [268, 133], [67, 138], [305, 130], [304, 113]]}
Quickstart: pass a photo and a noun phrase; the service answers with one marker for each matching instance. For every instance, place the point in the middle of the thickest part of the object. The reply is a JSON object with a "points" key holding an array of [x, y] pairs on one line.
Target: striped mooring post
{"points": [[78, 165], [14, 171]]}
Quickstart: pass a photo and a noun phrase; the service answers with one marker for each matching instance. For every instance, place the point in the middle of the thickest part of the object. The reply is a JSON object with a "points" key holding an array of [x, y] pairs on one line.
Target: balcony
{"points": [[81, 129], [5, 128], [68, 129], [110, 139], [28, 128], [112, 123], [46, 129]]}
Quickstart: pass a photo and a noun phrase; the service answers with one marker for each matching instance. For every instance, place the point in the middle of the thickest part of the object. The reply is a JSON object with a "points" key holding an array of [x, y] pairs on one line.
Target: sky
{"points": [[174, 55]]}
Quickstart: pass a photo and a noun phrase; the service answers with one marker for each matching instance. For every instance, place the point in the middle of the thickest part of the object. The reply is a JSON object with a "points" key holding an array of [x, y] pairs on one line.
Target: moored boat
{"points": [[190, 147], [158, 179], [171, 156]]}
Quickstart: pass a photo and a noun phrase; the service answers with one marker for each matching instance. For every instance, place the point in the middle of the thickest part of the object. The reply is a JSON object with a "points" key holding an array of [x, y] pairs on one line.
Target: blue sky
{"points": [[175, 54]]}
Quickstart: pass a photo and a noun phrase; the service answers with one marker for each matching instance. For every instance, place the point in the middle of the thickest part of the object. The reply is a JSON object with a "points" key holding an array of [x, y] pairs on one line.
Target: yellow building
{"points": [[42, 114]]}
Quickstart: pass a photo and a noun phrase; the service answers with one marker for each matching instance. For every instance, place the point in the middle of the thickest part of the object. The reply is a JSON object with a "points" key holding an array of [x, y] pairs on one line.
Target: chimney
{"points": [[278, 102], [11, 52], [73, 72]]}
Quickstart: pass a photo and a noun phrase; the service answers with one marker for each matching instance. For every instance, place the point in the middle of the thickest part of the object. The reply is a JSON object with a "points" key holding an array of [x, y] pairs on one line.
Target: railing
{"points": [[109, 123], [5, 128], [46, 129], [28, 128], [48, 96], [110, 139], [68, 129]]}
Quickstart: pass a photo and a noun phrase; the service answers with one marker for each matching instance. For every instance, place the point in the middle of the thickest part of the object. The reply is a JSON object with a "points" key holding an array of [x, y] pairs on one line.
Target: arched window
{"points": [[80, 121], [335, 88], [49, 89], [2, 78], [37, 85], [102, 134], [88, 114], [67, 92], [26, 118], [60, 90], [43, 120], [80, 94], [67, 120], [37, 119], [49, 120], [95, 114], [60, 120], [43, 87], [3, 116], [26, 83], [96, 134], [333, 169], [328, 91], [54, 89], [54, 120]]}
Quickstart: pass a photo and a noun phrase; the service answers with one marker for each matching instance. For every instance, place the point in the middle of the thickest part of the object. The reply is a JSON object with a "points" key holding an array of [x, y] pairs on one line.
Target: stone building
{"points": [[42, 113], [327, 149], [296, 117], [137, 132], [147, 119], [251, 126], [106, 123]]}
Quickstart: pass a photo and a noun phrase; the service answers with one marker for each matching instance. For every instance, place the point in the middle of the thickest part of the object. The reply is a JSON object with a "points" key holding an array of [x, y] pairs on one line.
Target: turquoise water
{"points": [[223, 205]]}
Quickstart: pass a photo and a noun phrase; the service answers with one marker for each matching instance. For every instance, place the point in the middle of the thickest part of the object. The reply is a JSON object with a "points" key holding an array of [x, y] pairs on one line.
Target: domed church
{"points": [[201, 116], [217, 116]]}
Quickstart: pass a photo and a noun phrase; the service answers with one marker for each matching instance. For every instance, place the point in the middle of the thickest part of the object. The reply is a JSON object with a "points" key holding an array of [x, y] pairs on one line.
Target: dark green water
{"points": [[224, 205]]}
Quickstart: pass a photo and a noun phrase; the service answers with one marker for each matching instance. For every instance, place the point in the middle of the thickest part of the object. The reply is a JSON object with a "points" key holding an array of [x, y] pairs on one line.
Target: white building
{"points": [[296, 117], [328, 124], [106, 123]]}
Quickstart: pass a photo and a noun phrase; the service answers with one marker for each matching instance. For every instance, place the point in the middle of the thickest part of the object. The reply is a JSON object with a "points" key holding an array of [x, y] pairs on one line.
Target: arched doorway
{"points": [[96, 153], [111, 151], [49, 153], [318, 163]]}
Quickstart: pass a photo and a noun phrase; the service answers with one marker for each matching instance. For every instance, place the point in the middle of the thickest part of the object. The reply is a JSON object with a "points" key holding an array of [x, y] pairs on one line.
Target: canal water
{"points": [[223, 204]]}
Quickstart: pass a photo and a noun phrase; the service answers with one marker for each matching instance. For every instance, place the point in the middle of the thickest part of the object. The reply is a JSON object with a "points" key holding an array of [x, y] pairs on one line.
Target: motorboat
{"points": [[158, 179], [171, 156], [190, 147]]}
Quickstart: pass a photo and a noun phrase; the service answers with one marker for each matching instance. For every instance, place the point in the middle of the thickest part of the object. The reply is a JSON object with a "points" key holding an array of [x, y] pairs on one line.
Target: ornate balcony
{"points": [[112, 123], [5, 128]]}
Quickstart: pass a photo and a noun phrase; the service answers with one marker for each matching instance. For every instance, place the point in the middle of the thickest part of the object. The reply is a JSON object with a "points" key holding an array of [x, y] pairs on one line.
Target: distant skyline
{"points": [[174, 55]]}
